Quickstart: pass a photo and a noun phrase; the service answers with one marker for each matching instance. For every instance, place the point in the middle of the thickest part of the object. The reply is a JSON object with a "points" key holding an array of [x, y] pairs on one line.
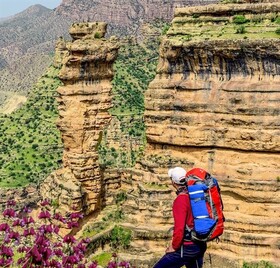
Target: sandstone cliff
{"points": [[84, 100], [214, 103]]}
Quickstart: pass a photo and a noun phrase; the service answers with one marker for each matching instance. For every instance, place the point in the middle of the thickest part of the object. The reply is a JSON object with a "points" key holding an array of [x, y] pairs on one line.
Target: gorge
{"points": [[214, 103]]}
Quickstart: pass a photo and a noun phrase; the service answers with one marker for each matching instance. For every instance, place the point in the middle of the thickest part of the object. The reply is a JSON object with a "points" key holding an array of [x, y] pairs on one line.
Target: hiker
{"points": [[182, 251]]}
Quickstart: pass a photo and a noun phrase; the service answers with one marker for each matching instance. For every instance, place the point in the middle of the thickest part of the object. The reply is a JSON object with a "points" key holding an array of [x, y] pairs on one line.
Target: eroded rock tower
{"points": [[84, 100]]}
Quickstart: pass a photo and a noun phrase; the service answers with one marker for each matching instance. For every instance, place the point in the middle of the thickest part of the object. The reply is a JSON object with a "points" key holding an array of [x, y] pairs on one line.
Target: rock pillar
{"points": [[84, 101]]}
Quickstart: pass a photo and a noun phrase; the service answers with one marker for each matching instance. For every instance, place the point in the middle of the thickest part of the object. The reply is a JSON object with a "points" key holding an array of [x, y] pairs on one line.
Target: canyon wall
{"points": [[214, 103], [84, 100]]}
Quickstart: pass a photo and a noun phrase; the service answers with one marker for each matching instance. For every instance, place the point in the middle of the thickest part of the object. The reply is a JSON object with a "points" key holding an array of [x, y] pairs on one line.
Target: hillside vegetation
{"points": [[124, 140], [31, 147], [230, 25], [30, 144]]}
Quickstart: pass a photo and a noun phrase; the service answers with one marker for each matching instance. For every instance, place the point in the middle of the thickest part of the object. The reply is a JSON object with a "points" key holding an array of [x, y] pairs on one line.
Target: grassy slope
{"points": [[134, 70], [198, 28], [30, 144]]}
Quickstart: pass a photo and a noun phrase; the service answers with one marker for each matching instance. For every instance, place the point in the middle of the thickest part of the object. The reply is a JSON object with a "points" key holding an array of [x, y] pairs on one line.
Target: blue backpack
{"points": [[203, 224], [207, 206]]}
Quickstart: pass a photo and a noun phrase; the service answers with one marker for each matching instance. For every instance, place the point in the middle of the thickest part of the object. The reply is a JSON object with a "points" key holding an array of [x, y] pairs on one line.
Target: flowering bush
{"points": [[27, 244]]}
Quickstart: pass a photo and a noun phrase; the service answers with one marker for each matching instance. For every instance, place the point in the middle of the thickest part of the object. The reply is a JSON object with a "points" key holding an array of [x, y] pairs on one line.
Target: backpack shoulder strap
{"points": [[182, 190]]}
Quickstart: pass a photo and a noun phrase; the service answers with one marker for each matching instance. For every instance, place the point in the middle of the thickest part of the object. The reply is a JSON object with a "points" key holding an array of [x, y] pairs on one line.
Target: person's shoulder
{"points": [[182, 196], [182, 200]]}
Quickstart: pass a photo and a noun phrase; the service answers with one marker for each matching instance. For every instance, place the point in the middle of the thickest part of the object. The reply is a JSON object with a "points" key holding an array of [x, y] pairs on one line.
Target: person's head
{"points": [[177, 175]]}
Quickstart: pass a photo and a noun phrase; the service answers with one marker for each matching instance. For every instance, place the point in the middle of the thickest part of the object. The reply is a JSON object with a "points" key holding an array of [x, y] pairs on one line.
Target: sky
{"points": [[12, 7]]}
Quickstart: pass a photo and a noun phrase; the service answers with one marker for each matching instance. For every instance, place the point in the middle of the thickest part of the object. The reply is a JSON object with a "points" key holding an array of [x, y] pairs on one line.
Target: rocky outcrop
{"points": [[84, 100], [23, 196], [214, 103]]}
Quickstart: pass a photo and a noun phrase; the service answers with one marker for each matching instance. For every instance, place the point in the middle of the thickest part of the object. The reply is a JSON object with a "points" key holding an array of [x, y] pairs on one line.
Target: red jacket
{"points": [[182, 215]]}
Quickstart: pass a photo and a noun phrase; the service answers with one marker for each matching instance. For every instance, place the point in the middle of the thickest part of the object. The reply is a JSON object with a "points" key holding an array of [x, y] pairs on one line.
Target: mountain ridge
{"points": [[28, 38]]}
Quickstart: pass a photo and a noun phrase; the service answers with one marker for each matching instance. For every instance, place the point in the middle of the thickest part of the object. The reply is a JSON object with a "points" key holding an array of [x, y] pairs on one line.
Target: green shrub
{"points": [[262, 264], [165, 29], [120, 237], [97, 35], [195, 16], [277, 20], [120, 197], [239, 19], [34, 146], [103, 258], [277, 31], [241, 30]]}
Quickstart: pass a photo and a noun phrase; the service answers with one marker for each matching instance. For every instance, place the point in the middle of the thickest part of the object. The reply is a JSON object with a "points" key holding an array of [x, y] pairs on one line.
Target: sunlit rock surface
{"points": [[214, 103], [84, 100]]}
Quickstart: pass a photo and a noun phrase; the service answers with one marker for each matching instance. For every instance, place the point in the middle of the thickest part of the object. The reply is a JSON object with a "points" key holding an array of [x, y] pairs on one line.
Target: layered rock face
{"points": [[214, 103], [84, 100]]}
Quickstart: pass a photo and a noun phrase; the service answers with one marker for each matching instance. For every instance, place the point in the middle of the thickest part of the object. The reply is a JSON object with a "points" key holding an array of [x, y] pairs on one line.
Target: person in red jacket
{"points": [[182, 252]]}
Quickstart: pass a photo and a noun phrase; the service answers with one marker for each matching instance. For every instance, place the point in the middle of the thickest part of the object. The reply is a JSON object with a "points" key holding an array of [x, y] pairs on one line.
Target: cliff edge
{"points": [[214, 103]]}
